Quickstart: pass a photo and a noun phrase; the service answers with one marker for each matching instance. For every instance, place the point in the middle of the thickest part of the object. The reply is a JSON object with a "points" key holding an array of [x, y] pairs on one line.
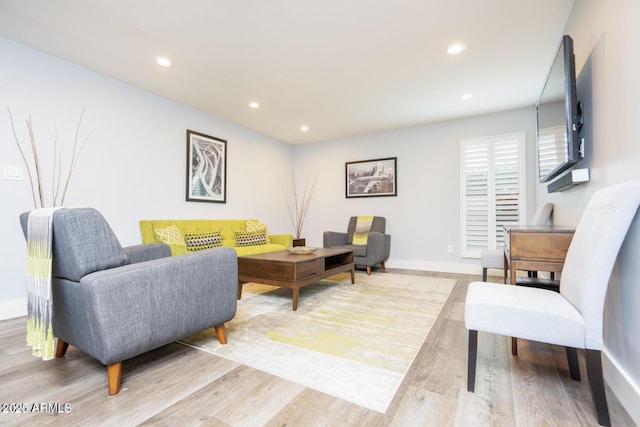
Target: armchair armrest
{"points": [[333, 238], [283, 239], [119, 313], [146, 252], [378, 247]]}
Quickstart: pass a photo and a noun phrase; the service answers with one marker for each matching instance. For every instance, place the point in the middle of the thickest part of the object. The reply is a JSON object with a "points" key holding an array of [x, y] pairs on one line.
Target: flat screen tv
{"points": [[558, 116]]}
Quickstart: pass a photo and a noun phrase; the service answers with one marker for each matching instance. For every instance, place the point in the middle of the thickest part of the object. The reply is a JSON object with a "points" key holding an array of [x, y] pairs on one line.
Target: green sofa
{"points": [[227, 228]]}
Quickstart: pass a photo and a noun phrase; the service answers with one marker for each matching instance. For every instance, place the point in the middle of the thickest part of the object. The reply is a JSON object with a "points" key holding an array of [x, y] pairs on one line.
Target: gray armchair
{"points": [[116, 303], [376, 250]]}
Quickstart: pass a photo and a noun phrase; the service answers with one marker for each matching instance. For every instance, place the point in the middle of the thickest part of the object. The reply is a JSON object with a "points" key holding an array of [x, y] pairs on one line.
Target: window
{"points": [[492, 180]]}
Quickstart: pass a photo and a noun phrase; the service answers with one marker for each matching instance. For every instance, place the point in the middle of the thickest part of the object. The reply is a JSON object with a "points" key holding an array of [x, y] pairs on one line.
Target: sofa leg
{"points": [[114, 372], [61, 348], [384, 268], [368, 270], [484, 274], [221, 332]]}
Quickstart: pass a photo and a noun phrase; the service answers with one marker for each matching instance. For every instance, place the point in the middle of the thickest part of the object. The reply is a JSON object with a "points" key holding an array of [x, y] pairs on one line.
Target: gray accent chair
{"points": [[375, 252], [116, 303]]}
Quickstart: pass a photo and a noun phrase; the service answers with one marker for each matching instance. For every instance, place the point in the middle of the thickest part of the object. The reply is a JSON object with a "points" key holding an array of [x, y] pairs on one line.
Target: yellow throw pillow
{"points": [[171, 236], [252, 226]]}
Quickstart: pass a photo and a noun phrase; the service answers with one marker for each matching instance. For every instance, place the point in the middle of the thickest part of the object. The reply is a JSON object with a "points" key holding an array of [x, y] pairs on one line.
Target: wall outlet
{"points": [[12, 172], [449, 249]]}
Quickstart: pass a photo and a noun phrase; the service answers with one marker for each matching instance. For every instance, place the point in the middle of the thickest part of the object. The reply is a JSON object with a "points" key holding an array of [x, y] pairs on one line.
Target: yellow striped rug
{"points": [[355, 342]]}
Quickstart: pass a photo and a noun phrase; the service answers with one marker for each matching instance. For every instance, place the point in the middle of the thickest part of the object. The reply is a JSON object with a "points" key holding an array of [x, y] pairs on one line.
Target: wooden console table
{"points": [[535, 248]]}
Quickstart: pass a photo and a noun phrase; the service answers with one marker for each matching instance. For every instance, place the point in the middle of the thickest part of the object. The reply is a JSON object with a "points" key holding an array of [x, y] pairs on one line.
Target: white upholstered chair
{"points": [[572, 317], [494, 258]]}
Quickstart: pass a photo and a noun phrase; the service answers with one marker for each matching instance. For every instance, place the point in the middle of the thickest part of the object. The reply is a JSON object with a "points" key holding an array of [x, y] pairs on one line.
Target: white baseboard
{"points": [[622, 385], [13, 308], [443, 267]]}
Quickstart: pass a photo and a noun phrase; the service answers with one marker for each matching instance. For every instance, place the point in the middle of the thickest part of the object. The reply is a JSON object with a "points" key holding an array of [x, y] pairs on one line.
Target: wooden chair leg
{"points": [[61, 348], [471, 360], [574, 366], [221, 332], [114, 372], [514, 346], [596, 383], [484, 274], [368, 270], [384, 268]]}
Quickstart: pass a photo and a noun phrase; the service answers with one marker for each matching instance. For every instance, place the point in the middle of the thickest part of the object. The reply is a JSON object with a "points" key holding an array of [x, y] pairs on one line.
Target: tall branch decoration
{"points": [[298, 208], [37, 186]]}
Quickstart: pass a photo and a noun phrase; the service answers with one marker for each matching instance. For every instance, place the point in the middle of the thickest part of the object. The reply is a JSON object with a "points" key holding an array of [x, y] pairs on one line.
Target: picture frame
{"points": [[371, 178], [206, 168]]}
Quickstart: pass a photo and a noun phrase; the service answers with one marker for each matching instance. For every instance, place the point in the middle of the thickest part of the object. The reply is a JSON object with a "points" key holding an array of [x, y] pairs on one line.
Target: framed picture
{"points": [[206, 168], [372, 178]]}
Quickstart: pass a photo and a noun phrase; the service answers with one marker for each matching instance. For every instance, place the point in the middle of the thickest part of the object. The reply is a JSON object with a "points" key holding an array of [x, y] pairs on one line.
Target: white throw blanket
{"points": [[39, 268]]}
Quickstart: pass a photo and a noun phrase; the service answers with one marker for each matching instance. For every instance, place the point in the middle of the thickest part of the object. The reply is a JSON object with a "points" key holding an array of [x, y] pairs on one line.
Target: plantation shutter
{"points": [[492, 190]]}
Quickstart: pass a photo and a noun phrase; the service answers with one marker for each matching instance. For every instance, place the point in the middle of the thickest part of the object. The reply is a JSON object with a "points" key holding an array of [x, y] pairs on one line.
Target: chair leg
{"points": [[384, 268], [221, 333], [574, 366], [368, 270], [484, 274], [114, 372], [61, 348], [471, 360], [514, 346], [596, 383]]}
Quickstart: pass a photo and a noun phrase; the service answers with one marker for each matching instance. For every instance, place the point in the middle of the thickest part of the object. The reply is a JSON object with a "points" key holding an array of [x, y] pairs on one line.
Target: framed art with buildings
{"points": [[206, 168], [371, 178]]}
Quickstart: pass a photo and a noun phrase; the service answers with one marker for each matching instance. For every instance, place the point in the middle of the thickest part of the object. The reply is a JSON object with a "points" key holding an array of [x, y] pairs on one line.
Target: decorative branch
{"points": [[57, 162], [298, 213]]}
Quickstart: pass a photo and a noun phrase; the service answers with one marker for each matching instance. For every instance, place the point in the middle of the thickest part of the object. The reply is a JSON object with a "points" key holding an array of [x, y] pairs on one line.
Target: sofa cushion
{"points": [[197, 241], [171, 236], [251, 238]]}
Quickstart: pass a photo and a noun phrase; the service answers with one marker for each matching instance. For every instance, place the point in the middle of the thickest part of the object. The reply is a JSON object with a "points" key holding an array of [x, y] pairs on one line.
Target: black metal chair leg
{"points": [[574, 366], [596, 383], [484, 274], [471, 360]]}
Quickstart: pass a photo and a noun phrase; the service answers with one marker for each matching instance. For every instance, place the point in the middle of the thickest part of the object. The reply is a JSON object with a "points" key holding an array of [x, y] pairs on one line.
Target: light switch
{"points": [[12, 172]]}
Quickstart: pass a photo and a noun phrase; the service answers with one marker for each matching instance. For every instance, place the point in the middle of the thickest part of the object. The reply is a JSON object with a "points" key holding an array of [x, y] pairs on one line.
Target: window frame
{"points": [[490, 143]]}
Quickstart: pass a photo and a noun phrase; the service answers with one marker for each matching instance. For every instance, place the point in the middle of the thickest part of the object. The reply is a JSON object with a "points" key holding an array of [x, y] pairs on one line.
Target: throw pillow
{"points": [[252, 226], [251, 238], [199, 241], [171, 236]]}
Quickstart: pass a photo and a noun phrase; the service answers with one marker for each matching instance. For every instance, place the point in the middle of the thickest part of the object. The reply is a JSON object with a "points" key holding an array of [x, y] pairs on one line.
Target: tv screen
{"points": [[557, 116]]}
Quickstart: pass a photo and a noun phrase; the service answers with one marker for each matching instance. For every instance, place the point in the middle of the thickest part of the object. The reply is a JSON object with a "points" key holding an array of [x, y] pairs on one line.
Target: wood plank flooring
{"points": [[178, 385]]}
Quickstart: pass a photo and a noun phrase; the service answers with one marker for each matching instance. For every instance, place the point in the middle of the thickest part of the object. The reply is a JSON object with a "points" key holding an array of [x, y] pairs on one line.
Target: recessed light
{"points": [[304, 128], [165, 62], [254, 104], [456, 48], [466, 96]]}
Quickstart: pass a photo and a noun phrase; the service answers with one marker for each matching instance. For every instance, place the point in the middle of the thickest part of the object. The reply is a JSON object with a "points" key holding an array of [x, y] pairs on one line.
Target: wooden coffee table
{"points": [[293, 271]]}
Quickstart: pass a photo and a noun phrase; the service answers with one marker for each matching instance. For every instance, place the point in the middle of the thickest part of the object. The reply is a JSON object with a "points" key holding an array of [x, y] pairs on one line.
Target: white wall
{"points": [[425, 216], [133, 165], [606, 39]]}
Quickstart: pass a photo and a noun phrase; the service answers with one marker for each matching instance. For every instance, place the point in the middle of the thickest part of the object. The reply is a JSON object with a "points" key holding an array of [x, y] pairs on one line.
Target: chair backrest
{"points": [[378, 225], [83, 243], [543, 214], [593, 252]]}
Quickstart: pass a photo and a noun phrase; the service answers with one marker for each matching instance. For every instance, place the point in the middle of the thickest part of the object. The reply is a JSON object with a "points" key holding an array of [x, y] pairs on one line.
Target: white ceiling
{"points": [[341, 67]]}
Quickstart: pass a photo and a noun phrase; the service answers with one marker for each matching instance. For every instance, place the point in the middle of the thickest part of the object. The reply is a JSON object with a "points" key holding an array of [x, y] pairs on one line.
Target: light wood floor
{"points": [[177, 385]]}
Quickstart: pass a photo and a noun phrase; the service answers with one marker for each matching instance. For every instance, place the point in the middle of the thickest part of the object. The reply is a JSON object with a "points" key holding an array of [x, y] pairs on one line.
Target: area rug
{"points": [[352, 341]]}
